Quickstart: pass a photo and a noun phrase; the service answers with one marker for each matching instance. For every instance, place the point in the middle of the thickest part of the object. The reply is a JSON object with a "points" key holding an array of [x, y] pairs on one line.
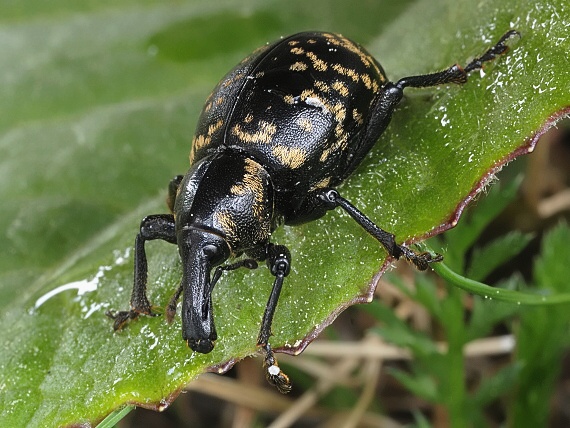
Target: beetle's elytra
{"points": [[275, 138]]}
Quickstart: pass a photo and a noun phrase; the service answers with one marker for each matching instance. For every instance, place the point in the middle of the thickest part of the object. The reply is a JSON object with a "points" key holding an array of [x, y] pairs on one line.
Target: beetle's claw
{"points": [[170, 311], [279, 380], [273, 372], [123, 317], [421, 260]]}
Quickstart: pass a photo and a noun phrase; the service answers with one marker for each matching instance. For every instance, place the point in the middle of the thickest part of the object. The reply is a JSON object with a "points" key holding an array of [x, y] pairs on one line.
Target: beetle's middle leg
{"points": [[159, 226], [332, 199]]}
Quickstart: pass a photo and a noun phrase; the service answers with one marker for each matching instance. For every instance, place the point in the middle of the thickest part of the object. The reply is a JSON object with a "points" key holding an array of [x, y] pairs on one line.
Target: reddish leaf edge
{"points": [[490, 176], [525, 149], [368, 294]]}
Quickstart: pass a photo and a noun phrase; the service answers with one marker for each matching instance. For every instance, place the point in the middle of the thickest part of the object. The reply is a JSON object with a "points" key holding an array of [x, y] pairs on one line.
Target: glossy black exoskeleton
{"points": [[275, 138]]}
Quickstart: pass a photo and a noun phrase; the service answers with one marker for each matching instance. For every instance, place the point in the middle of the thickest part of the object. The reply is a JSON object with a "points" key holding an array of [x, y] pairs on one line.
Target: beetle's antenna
{"points": [[246, 263], [173, 303]]}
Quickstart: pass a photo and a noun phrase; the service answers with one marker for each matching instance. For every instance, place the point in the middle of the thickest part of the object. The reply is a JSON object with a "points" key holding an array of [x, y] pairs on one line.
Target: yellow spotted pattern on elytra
{"points": [[349, 45], [291, 157], [319, 185], [204, 140], [263, 134], [305, 124], [298, 66]]}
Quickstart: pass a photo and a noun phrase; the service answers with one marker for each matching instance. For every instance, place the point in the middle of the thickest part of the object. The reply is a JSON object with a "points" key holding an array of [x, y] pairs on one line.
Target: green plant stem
{"points": [[114, 418], [499, 294]]}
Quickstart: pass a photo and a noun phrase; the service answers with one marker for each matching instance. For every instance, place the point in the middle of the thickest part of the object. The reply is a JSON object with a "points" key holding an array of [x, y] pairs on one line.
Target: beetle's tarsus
{"points": [[273, 373], [420, 260], [498, 49], [121, 318]]}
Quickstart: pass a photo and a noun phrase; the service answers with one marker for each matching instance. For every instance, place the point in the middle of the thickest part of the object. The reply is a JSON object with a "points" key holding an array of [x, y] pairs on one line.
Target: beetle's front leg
{"points": [[159, 226], [279, 263], [332, 199]]}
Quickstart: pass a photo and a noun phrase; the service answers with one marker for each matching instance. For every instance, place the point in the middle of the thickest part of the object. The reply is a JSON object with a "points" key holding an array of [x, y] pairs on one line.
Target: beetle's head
{"points": [[223, 208], [200, 251]]}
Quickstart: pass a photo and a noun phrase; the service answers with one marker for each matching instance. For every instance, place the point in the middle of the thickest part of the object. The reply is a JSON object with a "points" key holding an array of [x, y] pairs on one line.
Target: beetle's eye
{"points": [[214, 253], [210, 251]]}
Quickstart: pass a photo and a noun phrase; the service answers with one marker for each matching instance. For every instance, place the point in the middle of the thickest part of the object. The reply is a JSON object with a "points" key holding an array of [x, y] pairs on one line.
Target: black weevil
{"points": [[275, 138]]}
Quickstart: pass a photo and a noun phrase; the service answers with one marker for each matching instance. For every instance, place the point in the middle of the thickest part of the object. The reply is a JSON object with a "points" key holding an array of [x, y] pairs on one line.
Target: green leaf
{"points": [[551, 270], [425, 291], [486, 314], [496, 386], [420, 420], [98, 110], [418, 384]]}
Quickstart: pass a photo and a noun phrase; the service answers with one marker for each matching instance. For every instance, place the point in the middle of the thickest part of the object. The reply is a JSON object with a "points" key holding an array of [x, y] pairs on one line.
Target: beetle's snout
{"points": [[200, 251], [198, 329], [204, 346]]}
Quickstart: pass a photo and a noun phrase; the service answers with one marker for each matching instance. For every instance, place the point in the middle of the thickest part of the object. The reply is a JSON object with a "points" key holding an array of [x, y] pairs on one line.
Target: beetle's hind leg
{"points": [[456, 73], [332, 199], [159, 226], [279, 263]]}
